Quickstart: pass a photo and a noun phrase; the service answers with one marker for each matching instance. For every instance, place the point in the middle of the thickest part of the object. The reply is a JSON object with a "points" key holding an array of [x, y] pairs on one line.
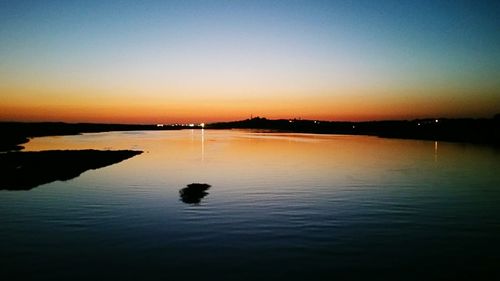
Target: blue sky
{"points": [[244, 52]]}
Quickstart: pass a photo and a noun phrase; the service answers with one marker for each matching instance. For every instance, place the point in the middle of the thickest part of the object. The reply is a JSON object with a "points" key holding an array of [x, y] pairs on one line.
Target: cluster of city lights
{"points": [[192, 125]]}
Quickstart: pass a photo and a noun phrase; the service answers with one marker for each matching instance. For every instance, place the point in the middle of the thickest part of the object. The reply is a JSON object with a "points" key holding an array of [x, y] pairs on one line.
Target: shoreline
{"points": [[14, 134], [25, 170], [475, 131]]}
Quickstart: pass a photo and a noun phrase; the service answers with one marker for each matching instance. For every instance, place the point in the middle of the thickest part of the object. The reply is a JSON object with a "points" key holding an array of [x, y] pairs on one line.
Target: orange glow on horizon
{"points": [[352, 109], [66, 105]]}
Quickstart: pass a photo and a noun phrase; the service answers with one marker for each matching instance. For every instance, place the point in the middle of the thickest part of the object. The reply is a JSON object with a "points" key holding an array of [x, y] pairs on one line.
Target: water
{"points": [[281, 207]]}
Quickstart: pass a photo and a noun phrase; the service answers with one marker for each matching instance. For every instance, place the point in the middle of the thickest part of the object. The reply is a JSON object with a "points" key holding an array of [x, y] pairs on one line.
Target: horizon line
{"points": [[186, 123]]}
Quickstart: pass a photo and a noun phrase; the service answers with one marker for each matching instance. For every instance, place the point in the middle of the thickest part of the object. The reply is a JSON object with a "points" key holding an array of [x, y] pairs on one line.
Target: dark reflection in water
{"points": [[26, 170], [193, 193]]}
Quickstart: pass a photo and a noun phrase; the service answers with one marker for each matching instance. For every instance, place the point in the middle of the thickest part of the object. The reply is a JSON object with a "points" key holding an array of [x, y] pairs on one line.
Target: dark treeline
{"points": [[16, 133], [486, 131]]}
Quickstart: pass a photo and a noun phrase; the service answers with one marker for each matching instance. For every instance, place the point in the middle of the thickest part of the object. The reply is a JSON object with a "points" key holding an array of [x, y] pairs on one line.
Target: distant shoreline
{"points": [[14, 134], [478, 131]]}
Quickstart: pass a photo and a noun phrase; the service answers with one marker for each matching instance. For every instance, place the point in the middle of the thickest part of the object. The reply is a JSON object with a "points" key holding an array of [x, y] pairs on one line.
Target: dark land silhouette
{"points": [[26, 170], [483, 131], [194, 192], [16, 133]]}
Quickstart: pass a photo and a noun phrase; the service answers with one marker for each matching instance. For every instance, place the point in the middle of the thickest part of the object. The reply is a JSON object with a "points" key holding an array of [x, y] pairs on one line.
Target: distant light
{"points": [[418, 124], [202, 125], [437, 120], [290, 121], [159, 125], [191, 125], [354, 127]]}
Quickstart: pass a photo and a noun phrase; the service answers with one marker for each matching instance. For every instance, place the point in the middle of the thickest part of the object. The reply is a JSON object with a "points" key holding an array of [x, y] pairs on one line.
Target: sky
{"points": [[206, 61]]}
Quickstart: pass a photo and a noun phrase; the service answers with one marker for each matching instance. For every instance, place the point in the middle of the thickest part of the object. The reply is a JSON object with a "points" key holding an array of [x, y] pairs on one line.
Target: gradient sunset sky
{"points": [[203, 61]]}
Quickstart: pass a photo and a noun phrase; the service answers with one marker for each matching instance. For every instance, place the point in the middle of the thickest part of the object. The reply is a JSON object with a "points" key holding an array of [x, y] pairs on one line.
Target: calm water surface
{"points": [[281, 206]]}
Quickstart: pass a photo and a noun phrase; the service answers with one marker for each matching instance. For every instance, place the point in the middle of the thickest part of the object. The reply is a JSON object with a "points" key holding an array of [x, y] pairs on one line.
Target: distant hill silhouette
{"points": [[485, 131], [26, 170]]}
